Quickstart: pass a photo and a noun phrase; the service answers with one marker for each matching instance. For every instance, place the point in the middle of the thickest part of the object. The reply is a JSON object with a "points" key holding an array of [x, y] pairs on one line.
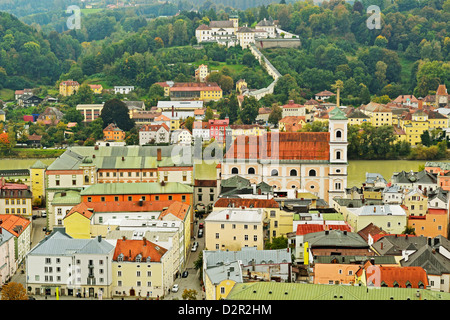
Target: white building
{"points": [[123, 89], [74, 266], [158, 133], [268, 26], [393, 195], [391, 218], [181, 136], [7, 256], [200, 130]]}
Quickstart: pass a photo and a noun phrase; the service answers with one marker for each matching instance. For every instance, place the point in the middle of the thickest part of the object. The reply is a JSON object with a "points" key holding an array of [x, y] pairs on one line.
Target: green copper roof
{"points": [[137, 188], [301, 291], [67, 197], [337, 114], [38, 165]]}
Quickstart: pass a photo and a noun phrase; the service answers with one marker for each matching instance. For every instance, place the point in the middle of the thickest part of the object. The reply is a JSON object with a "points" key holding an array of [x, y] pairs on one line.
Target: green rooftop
{"points": [[67, 197], [137, 188], [301, 291]]}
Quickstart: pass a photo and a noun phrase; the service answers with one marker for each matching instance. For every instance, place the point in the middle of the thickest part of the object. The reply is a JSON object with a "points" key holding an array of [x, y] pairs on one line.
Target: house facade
{"points": [[71, 266]]}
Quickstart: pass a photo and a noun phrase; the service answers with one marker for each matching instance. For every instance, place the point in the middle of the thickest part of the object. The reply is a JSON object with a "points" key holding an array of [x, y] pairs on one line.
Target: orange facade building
{"points": [[433, 224], [113, 133]]}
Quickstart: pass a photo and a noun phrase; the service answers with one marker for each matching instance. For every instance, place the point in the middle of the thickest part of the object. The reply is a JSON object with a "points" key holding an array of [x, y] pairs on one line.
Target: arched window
{"points": [[293, 173], [274, 173], [86, 179], [339, 134], [251, 171], [338, 155], [234, 170], [312, 173]]}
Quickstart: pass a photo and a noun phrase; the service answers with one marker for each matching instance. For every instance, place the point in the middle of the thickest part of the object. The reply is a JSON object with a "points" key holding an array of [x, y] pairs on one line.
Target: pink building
{"points": [[217, 129], [6, 256]]}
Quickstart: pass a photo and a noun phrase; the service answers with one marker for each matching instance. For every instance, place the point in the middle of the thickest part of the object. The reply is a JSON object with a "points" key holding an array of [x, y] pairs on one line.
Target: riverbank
{"points": [[33, 153]]}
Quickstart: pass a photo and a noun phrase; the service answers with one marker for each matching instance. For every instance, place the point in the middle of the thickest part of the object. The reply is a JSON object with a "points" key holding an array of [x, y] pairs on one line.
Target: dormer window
{"points": [[138, 258], [120, 258]]}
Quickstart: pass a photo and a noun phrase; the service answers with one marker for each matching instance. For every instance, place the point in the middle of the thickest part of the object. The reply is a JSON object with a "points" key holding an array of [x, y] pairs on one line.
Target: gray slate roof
{"points": [[246, 255], [58, 243], [414, 177], [335, 238]]}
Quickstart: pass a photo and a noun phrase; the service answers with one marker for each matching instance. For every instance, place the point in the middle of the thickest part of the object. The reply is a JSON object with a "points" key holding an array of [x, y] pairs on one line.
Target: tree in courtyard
{"points": [[249, 110], [189, 294], [275, 115], [116, 111], [14, 291]]}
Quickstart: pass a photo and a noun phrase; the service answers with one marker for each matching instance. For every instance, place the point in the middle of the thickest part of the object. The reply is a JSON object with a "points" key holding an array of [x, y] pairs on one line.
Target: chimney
{"points": [[173, 111], [163, 183], [381, 245], [158, 154], [228, 216], [123, 158], [145, 241], [141, 202]]}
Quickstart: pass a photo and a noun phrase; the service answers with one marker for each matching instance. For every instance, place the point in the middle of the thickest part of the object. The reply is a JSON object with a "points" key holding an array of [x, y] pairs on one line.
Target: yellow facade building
{"points": [[233, 229], [37, 182], [141, 268], [278, 222], [68, 88], [78, 222], [416, 202], [221, 279]]}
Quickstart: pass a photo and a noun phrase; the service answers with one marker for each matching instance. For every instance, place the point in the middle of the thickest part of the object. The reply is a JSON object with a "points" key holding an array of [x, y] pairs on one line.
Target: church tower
{"points": [[338, 154]]}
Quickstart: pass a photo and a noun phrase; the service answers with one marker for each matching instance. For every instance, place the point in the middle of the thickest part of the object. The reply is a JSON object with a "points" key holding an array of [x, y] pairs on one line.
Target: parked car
{"points": [[184, 274], [175, 288], [201, 225], [43, 214], [200, 233], [194, 248]]}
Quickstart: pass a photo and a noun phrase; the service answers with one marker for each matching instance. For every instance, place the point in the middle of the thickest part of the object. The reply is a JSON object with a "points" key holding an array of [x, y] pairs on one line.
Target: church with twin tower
{"points": [[314, 162]]}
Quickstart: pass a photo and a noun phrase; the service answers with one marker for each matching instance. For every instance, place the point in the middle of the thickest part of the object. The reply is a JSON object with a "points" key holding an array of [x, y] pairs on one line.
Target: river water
{"points": [[356, 170]]}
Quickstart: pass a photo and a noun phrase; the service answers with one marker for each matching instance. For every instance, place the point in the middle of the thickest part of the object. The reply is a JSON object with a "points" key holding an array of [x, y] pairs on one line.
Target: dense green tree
{"points": [[115, 111], [249, 111]]}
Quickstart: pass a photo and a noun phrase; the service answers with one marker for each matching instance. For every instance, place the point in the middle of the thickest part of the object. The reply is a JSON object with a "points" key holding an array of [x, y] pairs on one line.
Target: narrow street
{"points": [[190, 282]]}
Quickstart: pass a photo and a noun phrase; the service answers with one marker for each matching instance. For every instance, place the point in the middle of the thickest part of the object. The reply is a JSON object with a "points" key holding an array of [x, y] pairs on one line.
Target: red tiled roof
{"points": [[305, 228], [442, 90], [131, 248], [178, 209], [203, 27], [195, 86], [70, 83], [34, 137], [402, 276], [291, 104], [154, 127], [82, 209], [239, 202], [282, 146], [128, 206], [371, 230], [162, 84], [325, 93], [13, 224], [205, 183]]}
